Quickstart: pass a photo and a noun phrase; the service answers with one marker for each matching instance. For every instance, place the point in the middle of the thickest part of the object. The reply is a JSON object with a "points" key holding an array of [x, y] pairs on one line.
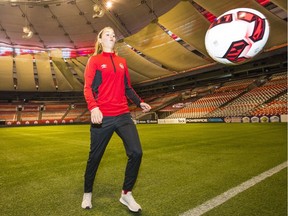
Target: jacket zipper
{"points": [[113, 63]]}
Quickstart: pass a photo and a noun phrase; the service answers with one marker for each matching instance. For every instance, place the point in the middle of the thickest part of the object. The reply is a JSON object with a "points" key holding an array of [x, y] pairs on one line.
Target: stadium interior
{"points": [[42, 66]]}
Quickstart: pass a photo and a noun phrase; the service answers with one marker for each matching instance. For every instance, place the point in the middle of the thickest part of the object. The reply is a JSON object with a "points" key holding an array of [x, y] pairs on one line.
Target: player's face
{"points": [[108, 39]]}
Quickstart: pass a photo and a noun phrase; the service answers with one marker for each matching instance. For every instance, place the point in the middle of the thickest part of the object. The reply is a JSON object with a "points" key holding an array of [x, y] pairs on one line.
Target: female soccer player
{"points": [[107, 87]]}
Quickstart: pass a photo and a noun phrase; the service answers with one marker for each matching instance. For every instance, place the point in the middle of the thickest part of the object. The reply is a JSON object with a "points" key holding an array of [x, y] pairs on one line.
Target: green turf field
{"points": [[183, 166]]}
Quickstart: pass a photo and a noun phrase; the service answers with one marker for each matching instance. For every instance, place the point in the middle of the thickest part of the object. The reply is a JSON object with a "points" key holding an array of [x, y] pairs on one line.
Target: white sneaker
{"points": [[86, 202], [128, 200]]}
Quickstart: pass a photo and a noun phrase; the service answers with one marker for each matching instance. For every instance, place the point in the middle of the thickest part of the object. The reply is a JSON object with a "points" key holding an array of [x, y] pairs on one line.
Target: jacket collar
{"points": [[108, 54]]}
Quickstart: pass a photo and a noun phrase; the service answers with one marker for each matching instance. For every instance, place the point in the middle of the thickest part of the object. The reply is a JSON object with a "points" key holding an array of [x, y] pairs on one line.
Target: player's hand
{"points": [[145, 107], [96, 116]]}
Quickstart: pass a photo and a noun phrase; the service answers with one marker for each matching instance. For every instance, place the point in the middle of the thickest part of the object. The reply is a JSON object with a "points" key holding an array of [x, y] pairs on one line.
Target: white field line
{"points": [[220, 199]]}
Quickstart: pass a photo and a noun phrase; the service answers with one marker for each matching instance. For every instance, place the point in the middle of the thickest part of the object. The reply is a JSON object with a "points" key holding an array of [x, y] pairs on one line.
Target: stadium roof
{"points": [[159, 38]]}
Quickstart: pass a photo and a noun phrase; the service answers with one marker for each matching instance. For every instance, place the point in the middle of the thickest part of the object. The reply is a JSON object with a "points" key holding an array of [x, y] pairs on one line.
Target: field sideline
{"points": [[183, 166]]}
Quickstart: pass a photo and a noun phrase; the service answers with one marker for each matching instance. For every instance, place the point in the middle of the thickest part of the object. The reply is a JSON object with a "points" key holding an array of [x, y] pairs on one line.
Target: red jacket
{"points": [[107, 84]]}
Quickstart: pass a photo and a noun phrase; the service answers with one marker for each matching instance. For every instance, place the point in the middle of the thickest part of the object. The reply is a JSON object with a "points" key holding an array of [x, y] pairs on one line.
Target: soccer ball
{"points": [[237, 36]]}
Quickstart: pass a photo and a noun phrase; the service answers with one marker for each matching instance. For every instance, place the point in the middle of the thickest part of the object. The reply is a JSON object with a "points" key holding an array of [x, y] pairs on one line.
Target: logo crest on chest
{"points": [[103, 66]]}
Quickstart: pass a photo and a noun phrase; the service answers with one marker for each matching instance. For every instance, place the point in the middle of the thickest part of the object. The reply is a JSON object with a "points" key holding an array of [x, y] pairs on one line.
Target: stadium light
{"points": [[99, 12], [28, 33]]}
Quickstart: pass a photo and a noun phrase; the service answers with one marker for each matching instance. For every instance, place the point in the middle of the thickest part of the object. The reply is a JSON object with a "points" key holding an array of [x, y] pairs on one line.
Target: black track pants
{"points": [[124, 126]]}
